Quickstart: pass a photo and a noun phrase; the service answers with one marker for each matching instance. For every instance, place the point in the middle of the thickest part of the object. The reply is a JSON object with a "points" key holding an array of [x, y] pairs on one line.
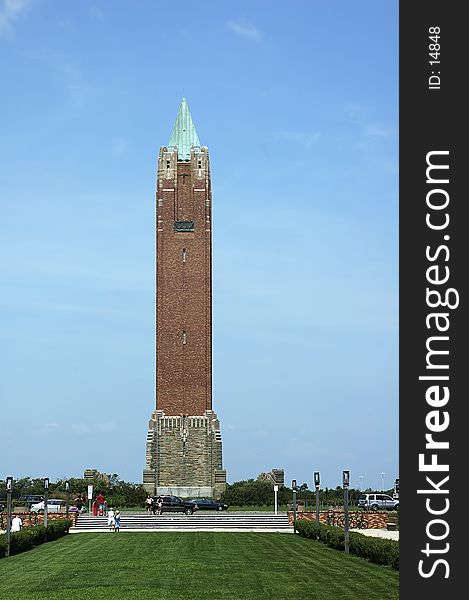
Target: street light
{"points": [[46, 499], [346, 483], [90, 497], [382, 481], [361, 482], [293, 487], [9, 491], [317, 483], [67, 502]]}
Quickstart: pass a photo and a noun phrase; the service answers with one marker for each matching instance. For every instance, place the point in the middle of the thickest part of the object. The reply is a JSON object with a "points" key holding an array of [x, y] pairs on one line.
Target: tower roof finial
{"points": [[184, 135]]}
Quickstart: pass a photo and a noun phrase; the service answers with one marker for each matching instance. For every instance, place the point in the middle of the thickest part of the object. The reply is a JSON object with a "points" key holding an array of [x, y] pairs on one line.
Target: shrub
{"points": [[29, 537], [306, 529], [57, 529], [376, 550], [248, 493]]}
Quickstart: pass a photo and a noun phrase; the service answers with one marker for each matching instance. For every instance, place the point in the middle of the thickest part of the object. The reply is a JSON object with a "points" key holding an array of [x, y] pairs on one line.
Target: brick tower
{"points": [[184, 449]]}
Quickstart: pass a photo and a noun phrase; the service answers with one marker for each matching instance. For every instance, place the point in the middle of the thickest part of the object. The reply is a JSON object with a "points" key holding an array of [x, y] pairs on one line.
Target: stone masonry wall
{"points": [[184, 452], [30, 519], [373, 520]]}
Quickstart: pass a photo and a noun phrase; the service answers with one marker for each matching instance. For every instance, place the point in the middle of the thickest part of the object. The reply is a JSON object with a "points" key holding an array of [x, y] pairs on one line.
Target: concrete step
{"points": [[177, 521]]}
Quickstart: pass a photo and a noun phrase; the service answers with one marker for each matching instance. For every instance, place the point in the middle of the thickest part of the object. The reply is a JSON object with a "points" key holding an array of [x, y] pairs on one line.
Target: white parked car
{"points": [[378, 501], [53, 506]]}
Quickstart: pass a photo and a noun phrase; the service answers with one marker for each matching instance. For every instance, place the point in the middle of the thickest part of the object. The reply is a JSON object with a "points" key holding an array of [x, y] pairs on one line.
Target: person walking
{"points": [[117, 521], [100, 501], [16, 524], [111, 520], [159, 505], [79, 503], [149, 504]]}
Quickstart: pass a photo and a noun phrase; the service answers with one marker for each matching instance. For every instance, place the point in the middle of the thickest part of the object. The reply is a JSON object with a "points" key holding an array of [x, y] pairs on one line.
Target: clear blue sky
{"points": [[298, 104]]}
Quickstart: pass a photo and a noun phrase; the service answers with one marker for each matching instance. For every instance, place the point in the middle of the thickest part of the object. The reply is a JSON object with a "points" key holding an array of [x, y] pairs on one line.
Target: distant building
{"points": [[276, 476], [184, 447], [95, 474]]}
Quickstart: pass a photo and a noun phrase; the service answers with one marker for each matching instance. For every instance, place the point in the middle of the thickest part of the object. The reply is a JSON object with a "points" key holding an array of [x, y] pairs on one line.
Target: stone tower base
{"points": [[184, 456]]}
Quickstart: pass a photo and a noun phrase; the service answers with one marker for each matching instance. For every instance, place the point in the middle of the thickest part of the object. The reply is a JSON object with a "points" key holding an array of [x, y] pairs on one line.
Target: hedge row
{"points": [[29, 537], [376, 550]]}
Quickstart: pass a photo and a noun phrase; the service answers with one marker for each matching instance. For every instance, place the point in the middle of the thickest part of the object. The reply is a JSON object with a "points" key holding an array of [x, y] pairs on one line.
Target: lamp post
{"points": [[345, 483], [317, 483], [46, 499], [361, 482], [382, 481], [67, 501], [9, 491], [90, 497], [293, 487]]}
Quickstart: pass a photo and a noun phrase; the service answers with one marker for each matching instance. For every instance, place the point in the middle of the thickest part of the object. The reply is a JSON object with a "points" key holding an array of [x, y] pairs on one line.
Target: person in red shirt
{"points": [[100, 501]]}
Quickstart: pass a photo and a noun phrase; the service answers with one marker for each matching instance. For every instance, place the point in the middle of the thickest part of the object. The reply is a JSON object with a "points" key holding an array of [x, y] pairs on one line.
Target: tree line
{"points": [[254, 492], [115, 490]]}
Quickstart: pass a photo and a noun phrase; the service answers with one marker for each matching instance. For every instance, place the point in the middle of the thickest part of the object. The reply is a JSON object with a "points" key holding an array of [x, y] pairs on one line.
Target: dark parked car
{"points": [[30, 500], [174, 504], [209, 504]]}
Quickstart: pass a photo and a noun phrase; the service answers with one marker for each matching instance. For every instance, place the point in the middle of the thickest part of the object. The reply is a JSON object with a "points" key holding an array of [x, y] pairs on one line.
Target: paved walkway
{"points": [[381, 533]]}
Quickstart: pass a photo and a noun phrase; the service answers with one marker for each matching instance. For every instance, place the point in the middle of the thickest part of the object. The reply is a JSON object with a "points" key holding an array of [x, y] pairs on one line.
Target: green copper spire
{"points": [[184, 135]]}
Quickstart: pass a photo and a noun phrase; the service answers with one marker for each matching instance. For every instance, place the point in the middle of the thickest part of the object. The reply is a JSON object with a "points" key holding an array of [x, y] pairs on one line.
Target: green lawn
{"points": [[192, 566]]}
